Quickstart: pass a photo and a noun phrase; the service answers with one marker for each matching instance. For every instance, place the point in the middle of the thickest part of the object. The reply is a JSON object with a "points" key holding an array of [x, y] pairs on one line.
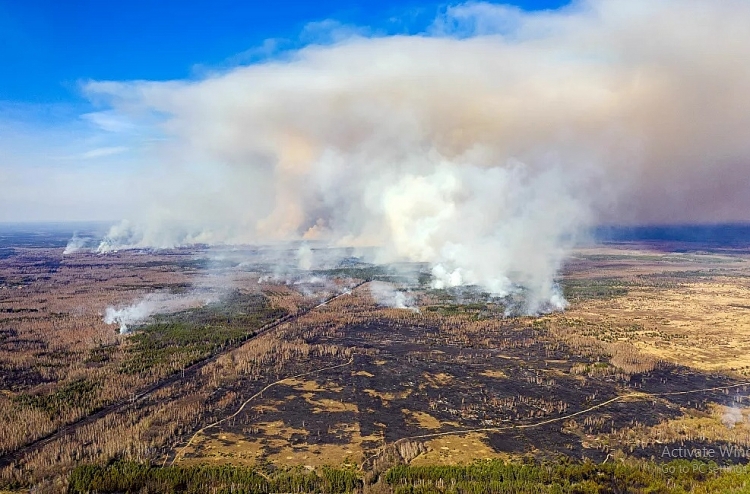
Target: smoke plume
{"points": [[76, 244], [732, 416], [152, 304], [387, 295], [483, 146]]}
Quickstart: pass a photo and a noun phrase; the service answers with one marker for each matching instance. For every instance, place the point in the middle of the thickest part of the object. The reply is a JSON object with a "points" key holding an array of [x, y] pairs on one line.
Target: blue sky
{"points": [[48, 46], [65, 155]]}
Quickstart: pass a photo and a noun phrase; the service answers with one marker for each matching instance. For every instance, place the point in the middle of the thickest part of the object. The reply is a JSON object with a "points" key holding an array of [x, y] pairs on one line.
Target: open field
{"points": [[689, 309], [252, 371]]}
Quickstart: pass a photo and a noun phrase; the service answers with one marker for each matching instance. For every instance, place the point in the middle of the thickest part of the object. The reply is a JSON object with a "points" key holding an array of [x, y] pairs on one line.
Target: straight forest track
{"points": [[188, 372]]}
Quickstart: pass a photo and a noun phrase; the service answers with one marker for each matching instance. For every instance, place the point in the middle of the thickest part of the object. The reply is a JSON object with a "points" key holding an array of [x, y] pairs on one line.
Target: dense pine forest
{"points": [[489, 476]]}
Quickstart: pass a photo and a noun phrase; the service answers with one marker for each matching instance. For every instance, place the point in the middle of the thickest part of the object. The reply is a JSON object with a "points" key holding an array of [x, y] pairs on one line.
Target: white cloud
{"points": [[103, 151], [109, 121]]}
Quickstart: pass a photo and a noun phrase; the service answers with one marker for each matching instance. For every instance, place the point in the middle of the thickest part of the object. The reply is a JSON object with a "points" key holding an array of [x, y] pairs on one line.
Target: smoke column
{"points": [[483, 146], [76, 244]]}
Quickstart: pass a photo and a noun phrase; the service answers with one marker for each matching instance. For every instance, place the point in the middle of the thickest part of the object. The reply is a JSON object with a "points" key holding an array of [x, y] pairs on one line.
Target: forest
{"points": [[482, 477]]}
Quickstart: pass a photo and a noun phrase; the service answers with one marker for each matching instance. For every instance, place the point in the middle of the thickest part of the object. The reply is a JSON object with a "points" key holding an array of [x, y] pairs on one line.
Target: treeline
{"points": [[135, 477], [482, 477], [564, 476], [576, 290]]}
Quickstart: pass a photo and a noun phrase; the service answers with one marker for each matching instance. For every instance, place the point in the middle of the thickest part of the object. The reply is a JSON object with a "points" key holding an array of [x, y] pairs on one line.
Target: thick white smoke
{"points": [[305, 257], [499, 228], [482, 147], [152, 304], [387, 295], [76, 244]]}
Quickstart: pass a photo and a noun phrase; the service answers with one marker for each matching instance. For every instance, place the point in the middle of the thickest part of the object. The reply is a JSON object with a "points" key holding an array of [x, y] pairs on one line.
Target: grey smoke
{"points": [[483, 147], [732, 416], [388, 295], [305, 257], [77, 244], [142, 310]]}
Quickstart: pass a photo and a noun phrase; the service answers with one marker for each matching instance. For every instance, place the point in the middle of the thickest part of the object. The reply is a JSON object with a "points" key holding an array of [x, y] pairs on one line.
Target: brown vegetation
{"points": [[441, 370]]}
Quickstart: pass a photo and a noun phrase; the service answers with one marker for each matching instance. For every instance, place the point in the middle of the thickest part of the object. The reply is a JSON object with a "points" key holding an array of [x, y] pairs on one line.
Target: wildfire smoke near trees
{"points": [[382, 248], [348, 376]]}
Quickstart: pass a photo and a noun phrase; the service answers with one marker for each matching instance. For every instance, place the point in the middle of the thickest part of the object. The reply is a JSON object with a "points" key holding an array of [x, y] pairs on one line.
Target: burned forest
{"points": [[138, 370]]}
